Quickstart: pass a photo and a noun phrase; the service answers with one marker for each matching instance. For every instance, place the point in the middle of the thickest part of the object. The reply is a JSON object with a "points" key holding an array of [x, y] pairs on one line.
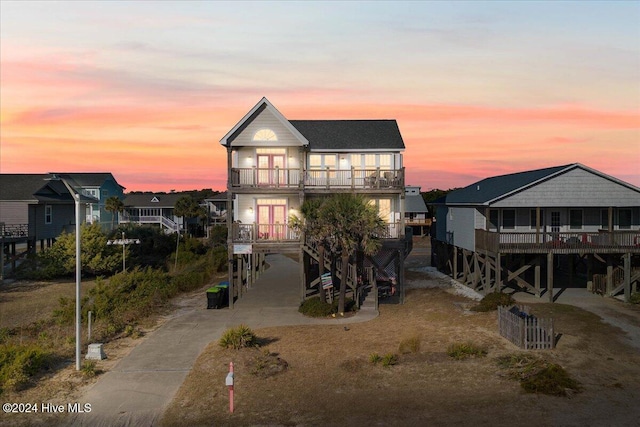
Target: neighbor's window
{"points": [[575, 219], [48, 214], [494, 219], [509, 219], [604, 219], [624, 219], [532, 219]]}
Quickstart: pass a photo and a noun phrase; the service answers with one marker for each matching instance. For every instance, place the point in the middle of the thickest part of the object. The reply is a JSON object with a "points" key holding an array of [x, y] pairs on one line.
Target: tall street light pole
{"points": [[76, 198]]}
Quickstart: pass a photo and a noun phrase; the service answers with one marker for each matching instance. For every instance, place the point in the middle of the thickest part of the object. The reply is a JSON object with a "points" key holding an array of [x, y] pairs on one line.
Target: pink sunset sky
{"points": [[145, 90]]}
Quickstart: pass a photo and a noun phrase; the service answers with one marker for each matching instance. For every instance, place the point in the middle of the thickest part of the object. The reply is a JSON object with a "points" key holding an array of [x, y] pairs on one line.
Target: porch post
{"points": [[455, 263], [498, 272], [536, 275], [627, 276], [538, 225], [609, 274], [550, 275]]}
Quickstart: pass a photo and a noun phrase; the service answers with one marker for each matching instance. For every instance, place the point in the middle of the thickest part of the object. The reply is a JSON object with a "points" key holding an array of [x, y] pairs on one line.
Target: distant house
{"points": [[415, 211], [217, 208], [39, 207], [530, 226], [152, 208]]}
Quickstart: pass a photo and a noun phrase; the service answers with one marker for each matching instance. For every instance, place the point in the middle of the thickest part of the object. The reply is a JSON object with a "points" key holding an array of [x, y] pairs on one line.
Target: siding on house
{"points": [[266, 120], [575, 188]]}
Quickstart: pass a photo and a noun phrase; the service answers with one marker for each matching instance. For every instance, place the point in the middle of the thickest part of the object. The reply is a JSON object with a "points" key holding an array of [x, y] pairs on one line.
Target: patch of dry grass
{"points": [[330, 380]]}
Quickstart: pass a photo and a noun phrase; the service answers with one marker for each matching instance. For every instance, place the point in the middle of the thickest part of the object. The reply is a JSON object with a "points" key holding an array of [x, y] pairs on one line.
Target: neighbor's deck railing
{"points": [[327, 178], [557, 242]]}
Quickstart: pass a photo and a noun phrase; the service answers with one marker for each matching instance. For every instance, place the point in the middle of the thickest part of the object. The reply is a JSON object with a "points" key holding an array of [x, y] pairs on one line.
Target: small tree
{"points": [[188, 207], [114, 205]]}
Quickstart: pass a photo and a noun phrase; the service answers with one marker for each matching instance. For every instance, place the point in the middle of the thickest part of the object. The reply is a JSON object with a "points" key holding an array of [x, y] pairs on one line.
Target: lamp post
{"points": [[124, 242], [76, 198]]}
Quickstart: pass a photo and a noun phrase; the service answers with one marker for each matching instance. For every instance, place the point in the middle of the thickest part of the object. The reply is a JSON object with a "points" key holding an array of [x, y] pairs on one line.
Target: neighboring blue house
{"points": [[567, 219]]}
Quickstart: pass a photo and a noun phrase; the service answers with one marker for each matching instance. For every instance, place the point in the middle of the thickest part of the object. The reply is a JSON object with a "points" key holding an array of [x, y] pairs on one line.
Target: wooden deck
{"points": [[601, 242]]}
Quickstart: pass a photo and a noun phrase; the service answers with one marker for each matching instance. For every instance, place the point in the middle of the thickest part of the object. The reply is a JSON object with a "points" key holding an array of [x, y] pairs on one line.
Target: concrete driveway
{"points": [[138, 389]]}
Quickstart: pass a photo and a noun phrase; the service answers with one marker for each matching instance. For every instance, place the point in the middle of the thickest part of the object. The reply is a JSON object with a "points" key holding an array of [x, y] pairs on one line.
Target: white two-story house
{"points": [[274, 164]]}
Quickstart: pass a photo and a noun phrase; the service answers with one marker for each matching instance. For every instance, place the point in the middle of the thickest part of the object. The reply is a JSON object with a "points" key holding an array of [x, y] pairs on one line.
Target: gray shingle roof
{"points": [[414, 204], [350, 134], [21, 186], [145, 200], [491, 188]]}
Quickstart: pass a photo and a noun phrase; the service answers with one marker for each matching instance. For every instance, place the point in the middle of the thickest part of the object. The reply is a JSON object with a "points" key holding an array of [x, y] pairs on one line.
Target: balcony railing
{"points": [[558, 242], [248, 233], [326, 178]]}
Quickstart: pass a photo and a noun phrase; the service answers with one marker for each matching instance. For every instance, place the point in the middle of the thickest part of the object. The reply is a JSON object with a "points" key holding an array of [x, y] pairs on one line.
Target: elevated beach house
{"points": [[274, 164], [570, 223]]}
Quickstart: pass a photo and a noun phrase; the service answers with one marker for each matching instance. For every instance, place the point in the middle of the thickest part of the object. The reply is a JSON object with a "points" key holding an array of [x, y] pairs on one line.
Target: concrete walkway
{"points": [[138, 389]]}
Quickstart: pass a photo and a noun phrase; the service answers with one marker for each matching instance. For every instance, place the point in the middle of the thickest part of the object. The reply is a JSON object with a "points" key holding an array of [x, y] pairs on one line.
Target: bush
{"points": [[18, 363], [313, 307], [410, 345], [375, 358], [239, 337], [537, 375], [635, 298], [389, 359], [491, 301], [460, 351]]}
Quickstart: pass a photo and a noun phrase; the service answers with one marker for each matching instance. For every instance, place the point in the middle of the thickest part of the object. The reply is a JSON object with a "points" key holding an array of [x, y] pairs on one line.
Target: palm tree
{"points": [[188, 207], [350, 224], [342, 225], [114, 205]]}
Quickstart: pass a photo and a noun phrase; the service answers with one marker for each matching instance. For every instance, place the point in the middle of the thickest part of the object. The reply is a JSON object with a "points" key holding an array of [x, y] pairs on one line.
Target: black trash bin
{"points": [[214, 297], [224, 291]]}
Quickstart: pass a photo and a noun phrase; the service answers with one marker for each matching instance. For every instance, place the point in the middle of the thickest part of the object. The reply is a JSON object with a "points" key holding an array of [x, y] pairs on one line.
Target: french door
{"points": [[267, 172], [271, 220]]}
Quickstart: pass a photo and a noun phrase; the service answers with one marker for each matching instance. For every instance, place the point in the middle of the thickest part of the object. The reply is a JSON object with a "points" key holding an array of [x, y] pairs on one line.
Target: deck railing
{"points": [[247, 233], [557, 241], [326, 178]]}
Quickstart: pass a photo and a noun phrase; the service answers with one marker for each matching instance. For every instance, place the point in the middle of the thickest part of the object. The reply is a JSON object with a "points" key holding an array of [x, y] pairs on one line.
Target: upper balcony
{"points": [[560, 243], [327, 179]]}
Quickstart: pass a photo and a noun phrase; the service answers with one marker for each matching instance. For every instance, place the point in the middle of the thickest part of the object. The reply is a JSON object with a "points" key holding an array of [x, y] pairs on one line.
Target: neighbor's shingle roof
{"points": [[21, 186], [350, 134], [414, 204], [490, 188], [144, 200]]}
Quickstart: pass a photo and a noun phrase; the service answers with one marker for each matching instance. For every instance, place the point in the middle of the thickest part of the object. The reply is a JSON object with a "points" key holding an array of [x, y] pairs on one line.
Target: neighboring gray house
{"points": [[39, 207], [498, 230], [274, 164], [152, 208], [217, 208]]}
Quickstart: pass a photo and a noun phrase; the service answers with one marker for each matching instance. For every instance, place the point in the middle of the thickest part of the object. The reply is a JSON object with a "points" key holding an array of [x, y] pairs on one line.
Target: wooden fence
{"points": [[524, 330]]}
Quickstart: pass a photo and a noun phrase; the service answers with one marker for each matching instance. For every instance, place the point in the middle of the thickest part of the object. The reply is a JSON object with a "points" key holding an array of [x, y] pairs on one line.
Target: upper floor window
{"points": [[265, 135], [371, 161], [575, 219], [624, 219], [48, 214], [509, 219]]}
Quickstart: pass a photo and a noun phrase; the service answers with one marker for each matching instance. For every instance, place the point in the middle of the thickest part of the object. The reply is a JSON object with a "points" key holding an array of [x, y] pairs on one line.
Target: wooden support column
{"points": [[536, 276], [455, 263], [487, 273], [498, 272], [550, 276], [401, 282], [240, 273], [231, 284], [538, 225], [609, 274], [571, 268], [627, 276]]}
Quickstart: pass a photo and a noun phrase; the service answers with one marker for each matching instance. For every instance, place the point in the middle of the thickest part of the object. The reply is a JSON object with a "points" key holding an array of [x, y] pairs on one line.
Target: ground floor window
{"points": [[509, 219], [624, 219], [575, 219]]}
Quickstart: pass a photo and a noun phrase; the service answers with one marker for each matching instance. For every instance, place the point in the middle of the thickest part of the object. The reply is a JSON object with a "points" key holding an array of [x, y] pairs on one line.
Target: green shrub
{"points": [[18, 363], [375, 358], [491, 301], [460, 351], [410, 345], [313, 307], [239, 337], [389, 359], [635, 298], [89, 369]]}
